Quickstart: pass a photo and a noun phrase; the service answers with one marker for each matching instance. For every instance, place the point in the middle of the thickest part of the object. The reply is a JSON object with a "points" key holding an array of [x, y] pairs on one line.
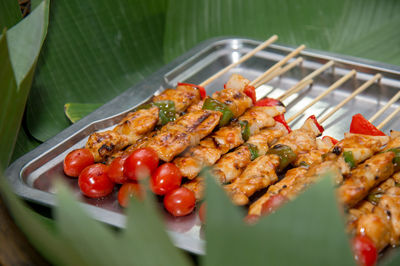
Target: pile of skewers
{"points": [[247, 144]]}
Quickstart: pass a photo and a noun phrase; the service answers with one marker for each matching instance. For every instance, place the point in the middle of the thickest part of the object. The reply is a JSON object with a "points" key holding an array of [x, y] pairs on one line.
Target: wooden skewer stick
{"points": [[280, 71], [294, 89], [387, 119], [384, 108], [278, 64], [351, 96], [322, 95], [260, 47]]}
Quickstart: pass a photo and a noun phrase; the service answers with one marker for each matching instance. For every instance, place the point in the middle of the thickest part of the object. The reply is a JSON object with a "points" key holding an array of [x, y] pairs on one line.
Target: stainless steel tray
{"points": [[31, 175]]}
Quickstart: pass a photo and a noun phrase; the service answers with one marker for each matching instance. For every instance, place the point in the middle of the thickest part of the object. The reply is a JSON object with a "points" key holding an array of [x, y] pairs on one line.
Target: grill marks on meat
{"points": [[361, 146], [232, 164], [188, 130], [365, 177], [301, 141], [258, 174], [183, 97], [226, 138], [382, 224], [237, 101], [137, 124]]}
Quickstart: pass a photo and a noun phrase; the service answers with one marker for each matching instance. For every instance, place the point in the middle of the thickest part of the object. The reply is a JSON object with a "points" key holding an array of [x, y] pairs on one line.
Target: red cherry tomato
{"points": [[94, 182], [251, 92], [202, 213], [76, 161], [364, 250], [140, 164], [116, 171], [360, 125], [129, 190], [180, 202], [272, 204], [165, 178]]}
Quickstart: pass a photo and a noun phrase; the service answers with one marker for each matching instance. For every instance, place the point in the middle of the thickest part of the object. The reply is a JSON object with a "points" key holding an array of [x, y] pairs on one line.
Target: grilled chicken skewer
{"points": [[138, 123], [236, 161], [361, 147], [261, 172]]}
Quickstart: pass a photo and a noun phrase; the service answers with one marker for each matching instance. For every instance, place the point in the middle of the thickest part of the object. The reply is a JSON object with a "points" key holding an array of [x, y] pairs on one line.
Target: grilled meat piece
{"points": [[365, 177], [183, 97], [223, 140], [186, 131], [361, 146], [258, 174]]}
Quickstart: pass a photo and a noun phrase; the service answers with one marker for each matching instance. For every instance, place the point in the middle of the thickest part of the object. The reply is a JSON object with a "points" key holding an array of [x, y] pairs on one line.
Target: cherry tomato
{"points": [[76, 161], [165, 178], [180, 202], [202, 213], [129, 190], [364, 250], [116, 171], [140, 164], [272, 204], [94, 182], [250, 91]]}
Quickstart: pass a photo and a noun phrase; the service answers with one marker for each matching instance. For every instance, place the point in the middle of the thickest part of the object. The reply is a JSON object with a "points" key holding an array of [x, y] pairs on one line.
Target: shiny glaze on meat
{"points": [[365, 177], [237, 101], [220, 142], [186, 131], [361, 146], [183, 97], [255, 178], [382, 225], [259, 174], [232, 164]]}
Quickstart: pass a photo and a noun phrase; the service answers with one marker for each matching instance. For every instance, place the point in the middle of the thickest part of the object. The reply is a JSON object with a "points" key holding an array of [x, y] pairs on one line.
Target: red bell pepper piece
{"points": [[268, 102], [360, 125], [320, 128], [202, 91], [333, 140], [251, 92], [281, 119]]}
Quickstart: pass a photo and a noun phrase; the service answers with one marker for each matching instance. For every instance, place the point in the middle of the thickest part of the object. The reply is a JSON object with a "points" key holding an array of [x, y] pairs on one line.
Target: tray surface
{"points": [[32, 174]]}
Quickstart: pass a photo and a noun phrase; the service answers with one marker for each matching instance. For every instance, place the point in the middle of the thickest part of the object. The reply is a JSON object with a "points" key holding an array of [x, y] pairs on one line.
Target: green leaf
{"points": [[76, 111], [10, 14], [95, 50], [307, 231], [24, 143], [20, 48], [365, 28], [144, 223], [8, 87], [40, 231]]}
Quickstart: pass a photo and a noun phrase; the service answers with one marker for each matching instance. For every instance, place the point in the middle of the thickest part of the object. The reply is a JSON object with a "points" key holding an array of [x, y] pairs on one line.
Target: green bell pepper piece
{"points": [[214, 105], [253, 151], [167, 112], [245, 130], [285, 153], [349, 158]]}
